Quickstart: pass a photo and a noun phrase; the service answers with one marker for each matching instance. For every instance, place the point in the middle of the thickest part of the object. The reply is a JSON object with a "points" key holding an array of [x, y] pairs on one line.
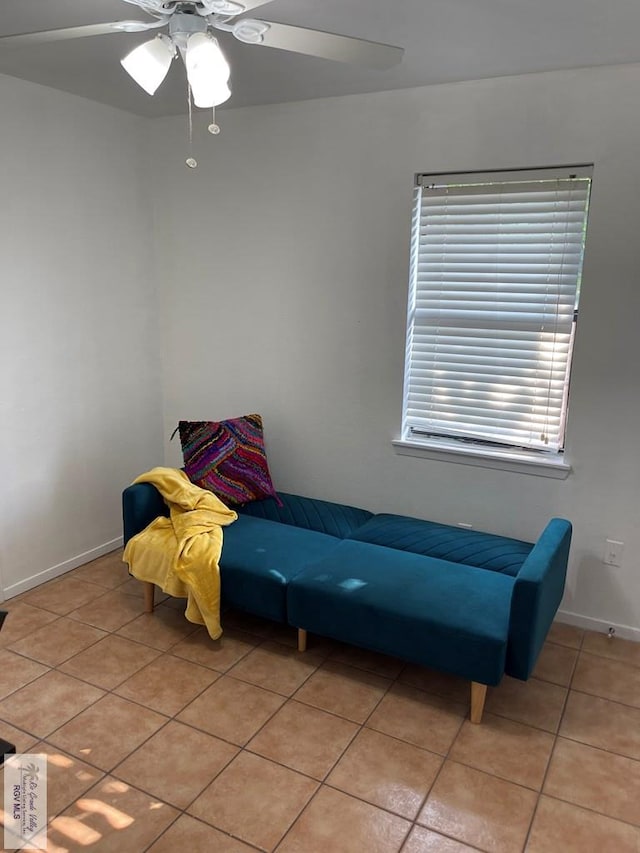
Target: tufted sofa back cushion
{"points": [[310, 513], [455, 544]]}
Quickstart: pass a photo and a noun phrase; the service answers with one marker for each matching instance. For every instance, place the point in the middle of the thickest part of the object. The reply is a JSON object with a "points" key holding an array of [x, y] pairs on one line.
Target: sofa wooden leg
{"points": [[302, 640], [149, 591], [478, 695]]}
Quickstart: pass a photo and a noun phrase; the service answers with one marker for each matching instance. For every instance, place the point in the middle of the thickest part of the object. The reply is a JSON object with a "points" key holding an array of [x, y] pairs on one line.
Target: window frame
{"points": [[474, 451]]}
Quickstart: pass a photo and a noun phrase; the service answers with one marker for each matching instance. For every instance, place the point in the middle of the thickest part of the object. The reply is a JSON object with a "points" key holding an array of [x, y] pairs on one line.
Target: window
{"points": [[496, 262]]}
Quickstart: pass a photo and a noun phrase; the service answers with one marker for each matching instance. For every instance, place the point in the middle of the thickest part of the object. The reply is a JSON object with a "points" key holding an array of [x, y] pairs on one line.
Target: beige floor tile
{"points": [[63, 595], [247, 622], [286, 635], [611, 679], [192, 836], [316, 643], [22, 620], [23, 741], [179, 604], [109, 662], [108, 571], [376, 777], [595, 779], [111, 817], [161, 629], [565, 635], [176, 764], [229, 803], [67, 777], [304, 738], [111, 611], [386, 772], [232, 710], [615, 648], [479, 809], [424, 840], [16, 671], [512, 751], [277, 667], [441, 683], [58, 641], [601, 723], [167, 684], [220, 654], [339, 823], [533, 702], [387, 667], [420, 718], [136, 588], [107, 732], [556, 664], [343, 690], [47, 703], [563, 827]]}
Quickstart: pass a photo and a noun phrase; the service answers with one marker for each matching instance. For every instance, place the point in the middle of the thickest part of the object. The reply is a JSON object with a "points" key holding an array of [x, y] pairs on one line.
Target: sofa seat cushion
{"points": [[259, 558], [323, 516], [432, 612], [455, 544]]}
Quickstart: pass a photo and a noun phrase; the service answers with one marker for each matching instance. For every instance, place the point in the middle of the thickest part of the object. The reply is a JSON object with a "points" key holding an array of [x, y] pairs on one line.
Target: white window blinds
{"points": [[495, 274]]}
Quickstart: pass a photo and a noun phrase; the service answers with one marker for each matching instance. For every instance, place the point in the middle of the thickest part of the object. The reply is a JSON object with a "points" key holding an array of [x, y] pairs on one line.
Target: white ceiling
{"points": [[444, 40]]}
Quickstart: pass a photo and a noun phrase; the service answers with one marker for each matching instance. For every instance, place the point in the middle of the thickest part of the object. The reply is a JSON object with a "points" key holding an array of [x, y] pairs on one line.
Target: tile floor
{"points": [[160, 740]]}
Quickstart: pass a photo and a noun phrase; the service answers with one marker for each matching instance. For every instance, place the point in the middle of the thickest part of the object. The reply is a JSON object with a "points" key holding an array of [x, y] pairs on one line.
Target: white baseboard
{"points": [[600, 625], [61, 568]]}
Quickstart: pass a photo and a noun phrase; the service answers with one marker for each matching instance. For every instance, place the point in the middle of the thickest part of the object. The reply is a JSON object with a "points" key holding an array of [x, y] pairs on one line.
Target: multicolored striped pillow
{"points": [[228, 458]]}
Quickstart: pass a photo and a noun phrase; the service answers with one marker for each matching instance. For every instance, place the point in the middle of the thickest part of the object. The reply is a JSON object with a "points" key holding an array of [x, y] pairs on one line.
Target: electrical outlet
{"points": [[613, 551]]}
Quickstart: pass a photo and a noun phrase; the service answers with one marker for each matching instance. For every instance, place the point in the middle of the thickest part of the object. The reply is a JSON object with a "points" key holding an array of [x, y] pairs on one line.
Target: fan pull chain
{"points": [[213, 127], [191, 161]]}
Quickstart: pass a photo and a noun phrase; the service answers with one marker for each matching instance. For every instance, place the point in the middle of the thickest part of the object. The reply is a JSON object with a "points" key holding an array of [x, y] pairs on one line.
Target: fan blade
{"points": [[252, 4], [227, 8], [317, 43], [79, 32]]}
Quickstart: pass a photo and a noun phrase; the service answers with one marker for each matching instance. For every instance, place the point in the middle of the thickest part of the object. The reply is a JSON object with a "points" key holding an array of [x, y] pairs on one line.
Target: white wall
{"points": [[80, 397], [283, 271]]}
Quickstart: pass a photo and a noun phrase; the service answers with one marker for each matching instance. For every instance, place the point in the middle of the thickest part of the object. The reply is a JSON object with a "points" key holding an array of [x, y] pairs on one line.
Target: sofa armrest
{"points": [[141, 504], [537, 593]]}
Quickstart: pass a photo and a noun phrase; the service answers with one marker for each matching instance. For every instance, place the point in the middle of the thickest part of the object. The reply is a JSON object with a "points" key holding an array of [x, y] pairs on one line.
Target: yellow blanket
{"points": [[180, 553]]}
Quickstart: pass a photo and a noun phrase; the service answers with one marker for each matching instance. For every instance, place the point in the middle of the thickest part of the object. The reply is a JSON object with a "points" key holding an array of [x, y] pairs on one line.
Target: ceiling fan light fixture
{"points": [[207, 71], [212, 96], [224, 7], [149, 63], [250, 31]]}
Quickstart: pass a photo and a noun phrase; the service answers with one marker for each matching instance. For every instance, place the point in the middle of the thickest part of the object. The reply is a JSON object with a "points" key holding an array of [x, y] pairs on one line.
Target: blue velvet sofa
{"points": [[465, 602]]}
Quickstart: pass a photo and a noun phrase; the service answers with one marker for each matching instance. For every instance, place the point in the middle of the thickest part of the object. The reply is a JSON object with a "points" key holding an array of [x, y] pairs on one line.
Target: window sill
{"points": [[522, 462]]}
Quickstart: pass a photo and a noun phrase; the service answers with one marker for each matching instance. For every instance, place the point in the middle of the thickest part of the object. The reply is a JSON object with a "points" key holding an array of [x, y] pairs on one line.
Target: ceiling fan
{"points": [[190, 26]]}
